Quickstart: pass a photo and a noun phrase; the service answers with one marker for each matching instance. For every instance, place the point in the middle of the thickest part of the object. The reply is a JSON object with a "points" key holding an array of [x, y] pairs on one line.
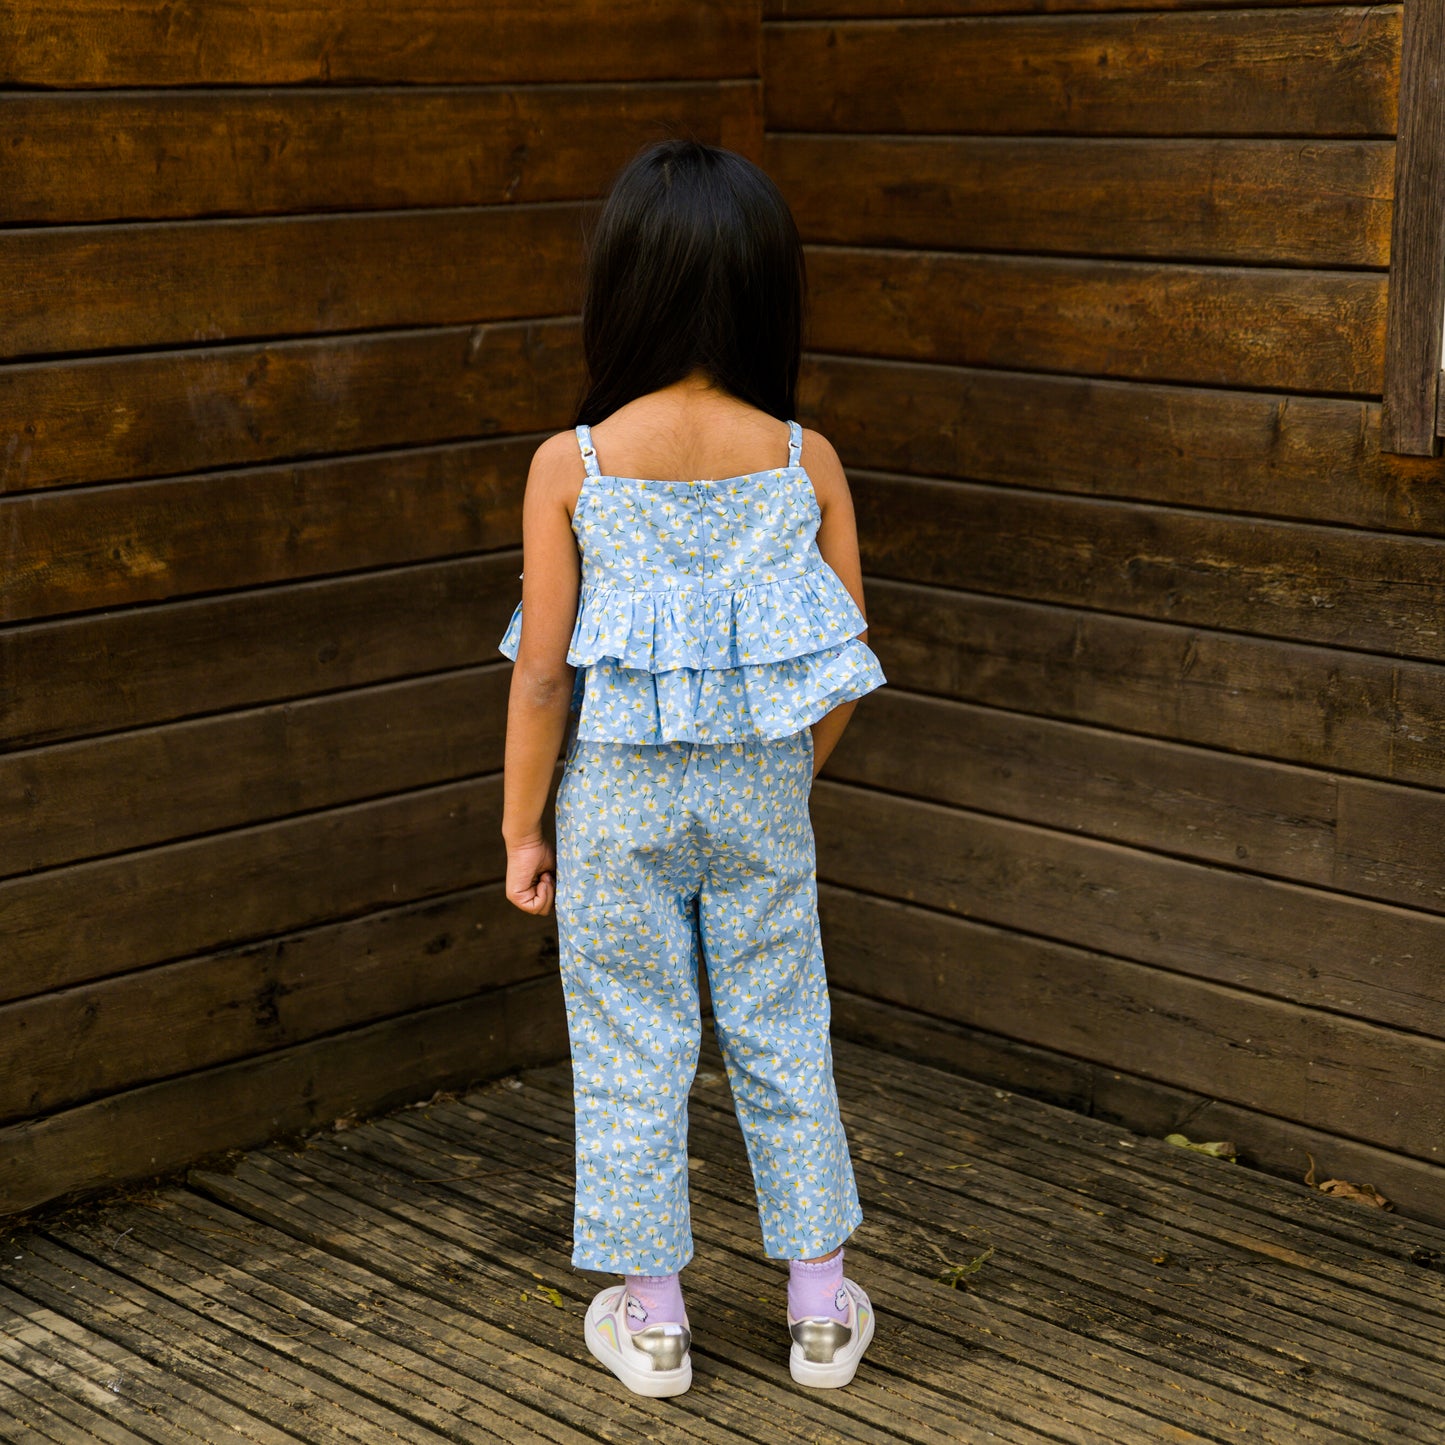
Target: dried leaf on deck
{"points": [[1217, 1148], [1362, 1193], [1343, 1189], [955, 1274]]}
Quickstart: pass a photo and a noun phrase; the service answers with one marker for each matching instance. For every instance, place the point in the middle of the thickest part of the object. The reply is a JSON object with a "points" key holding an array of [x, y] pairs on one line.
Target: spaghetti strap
{"points": [[795, 443], [589, 452]]}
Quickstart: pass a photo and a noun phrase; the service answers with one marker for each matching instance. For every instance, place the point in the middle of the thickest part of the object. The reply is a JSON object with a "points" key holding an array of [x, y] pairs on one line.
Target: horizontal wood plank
{"points": [[1312, 203], [784, 10], [1313, 458], [93, 157], [88, 675], [94, 920], [164, 1126], [1113, 1096], [1378, 716], [1225, 326], [109, 671], [79, 548], [209, 1010], [1304, 1052], [169, 412], [1372, 962], [148, 786], [109, 43], [1311, 71], [1324, 829], [1351, 589], [108, 288]]}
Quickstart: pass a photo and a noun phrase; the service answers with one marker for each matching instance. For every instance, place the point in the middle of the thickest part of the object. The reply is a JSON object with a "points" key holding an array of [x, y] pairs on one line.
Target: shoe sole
{"points": [[655, 1384]]}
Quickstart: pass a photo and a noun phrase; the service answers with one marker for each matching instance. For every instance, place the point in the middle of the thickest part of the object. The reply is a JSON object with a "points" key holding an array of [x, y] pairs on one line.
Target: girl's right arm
{"points": [[541, 679], [838, 542]]}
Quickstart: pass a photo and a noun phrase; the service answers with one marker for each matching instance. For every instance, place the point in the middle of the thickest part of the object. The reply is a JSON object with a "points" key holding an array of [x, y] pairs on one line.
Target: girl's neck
{"points": [[690, 429]]}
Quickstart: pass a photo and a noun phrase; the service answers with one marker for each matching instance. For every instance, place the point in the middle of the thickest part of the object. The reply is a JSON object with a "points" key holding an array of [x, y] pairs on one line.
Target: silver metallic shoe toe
{"points": [[820, 1340], [666, 1345]]}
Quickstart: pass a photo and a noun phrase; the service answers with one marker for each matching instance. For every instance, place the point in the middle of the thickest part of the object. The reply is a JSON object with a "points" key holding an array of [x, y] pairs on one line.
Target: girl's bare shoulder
{"points": [[557, 471], [822, 464]]}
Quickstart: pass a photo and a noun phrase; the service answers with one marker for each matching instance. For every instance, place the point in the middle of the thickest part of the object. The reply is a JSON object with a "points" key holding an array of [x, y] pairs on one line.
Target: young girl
{"points": [[690, 551]]}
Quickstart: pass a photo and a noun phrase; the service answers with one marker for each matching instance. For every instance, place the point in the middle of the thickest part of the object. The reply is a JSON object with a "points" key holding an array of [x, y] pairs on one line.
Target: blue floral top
{"points": [[706, 612]]}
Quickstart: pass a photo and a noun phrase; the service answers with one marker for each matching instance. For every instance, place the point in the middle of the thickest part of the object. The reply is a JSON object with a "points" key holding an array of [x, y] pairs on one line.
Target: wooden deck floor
{"points": [[1038, 1277]]}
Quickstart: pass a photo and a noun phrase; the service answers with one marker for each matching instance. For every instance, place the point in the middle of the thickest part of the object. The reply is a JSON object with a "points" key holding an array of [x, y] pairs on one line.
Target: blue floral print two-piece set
{"points": [[710, 633]]}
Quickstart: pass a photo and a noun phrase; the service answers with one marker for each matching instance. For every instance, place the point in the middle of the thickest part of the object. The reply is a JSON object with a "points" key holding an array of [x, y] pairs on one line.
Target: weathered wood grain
{"points": [[1326, 829], [1417, 288], [94, 920], [342, 1255], [1309, 71], [95, 157], [369, 1209], [37, 1405], [142, 787], [1313, 458], [1264, 1033], [167, 412], [472, 1373], [1371, 1254], [1171, 917], [109, 43], [1326, 585], [88, 675], [1248, 326], [1378, 716], [81, 1043], [960, 1176], [784, 10], [299, 1362], [184, 1361], [1277, 1146], [1360, 958], [76, 549], [78, 289], [166, 1125], [89, 1364], [1302, 202], [1227, 1336]]}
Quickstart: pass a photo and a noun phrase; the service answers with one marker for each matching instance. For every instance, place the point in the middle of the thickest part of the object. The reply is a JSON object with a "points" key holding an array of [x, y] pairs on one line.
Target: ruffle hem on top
{"points": [[709, 665]]}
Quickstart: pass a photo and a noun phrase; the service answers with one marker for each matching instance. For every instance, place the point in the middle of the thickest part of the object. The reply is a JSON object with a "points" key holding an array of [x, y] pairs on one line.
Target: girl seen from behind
{"points": [[693, 604]]}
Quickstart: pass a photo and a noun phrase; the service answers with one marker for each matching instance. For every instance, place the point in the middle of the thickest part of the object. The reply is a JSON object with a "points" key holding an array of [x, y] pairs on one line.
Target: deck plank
{"points": [[269, 1275], [939, 1369], [408, 1280], [541, 1212], [1370, 1250], [412, 1250], [29, 1404], [1059, 1294]]}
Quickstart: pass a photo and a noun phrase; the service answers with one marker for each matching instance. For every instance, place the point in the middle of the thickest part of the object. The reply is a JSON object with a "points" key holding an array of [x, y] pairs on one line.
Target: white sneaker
{"points": [[826, 1351], [654, 1360]]}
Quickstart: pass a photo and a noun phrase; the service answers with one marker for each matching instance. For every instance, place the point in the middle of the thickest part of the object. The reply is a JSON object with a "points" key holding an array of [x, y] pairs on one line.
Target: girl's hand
{"points": [[532, 877]]}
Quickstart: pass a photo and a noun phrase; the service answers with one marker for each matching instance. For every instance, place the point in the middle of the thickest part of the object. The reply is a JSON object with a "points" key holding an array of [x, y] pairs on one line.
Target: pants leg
{"points": [[627, 875], [758, 919]]}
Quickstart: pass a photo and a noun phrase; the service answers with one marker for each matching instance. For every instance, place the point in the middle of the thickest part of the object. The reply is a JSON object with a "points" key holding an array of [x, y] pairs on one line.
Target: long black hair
{"points": [[695, 264]]}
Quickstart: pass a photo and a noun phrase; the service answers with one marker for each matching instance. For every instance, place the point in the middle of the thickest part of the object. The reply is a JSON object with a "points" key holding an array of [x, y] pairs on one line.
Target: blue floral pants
{"points": [[667, 854]]}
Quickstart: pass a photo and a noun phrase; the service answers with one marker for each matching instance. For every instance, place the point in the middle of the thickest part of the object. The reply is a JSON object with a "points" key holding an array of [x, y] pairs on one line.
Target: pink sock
{"points": [[815, 1291], [653, 1299]]}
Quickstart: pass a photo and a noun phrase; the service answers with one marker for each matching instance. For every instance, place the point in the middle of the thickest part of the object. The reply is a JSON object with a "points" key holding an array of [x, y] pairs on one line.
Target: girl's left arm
{"points": [[541, 679], [838, 544]]}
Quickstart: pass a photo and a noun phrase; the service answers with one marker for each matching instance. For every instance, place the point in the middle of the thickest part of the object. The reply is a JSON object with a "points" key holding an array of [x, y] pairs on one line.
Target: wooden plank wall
{"points": [[290, 295], [1149, 820]]}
